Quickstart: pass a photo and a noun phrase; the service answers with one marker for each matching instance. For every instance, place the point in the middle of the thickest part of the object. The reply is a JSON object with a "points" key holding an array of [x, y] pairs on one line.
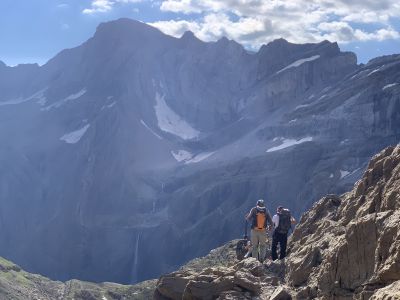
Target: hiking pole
{"points": [[248, 246]]}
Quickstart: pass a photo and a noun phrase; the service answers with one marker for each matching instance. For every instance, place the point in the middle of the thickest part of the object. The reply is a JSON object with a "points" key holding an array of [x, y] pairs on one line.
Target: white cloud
{"points": [[176, 28], [248, 31], [378, 35], [102, 6], [99, 6], [256, 22]]}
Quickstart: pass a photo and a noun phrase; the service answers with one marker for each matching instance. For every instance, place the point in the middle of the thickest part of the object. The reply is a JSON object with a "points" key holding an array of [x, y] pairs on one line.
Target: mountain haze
{"points": [[127, 156]]}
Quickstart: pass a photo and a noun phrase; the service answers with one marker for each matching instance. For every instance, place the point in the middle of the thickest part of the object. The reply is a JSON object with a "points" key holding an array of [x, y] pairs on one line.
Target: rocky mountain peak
{"points": [[279, 54], [125, 27], [188, 35], [127, 35], [189, 39]]}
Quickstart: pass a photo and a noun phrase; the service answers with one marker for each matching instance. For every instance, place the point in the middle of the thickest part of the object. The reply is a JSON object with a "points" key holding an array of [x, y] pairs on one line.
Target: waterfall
{"points": [[134, 274]]}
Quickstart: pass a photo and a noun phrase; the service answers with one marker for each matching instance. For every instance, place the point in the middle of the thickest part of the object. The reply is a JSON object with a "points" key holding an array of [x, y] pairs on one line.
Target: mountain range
{"points": [[134, 152]]}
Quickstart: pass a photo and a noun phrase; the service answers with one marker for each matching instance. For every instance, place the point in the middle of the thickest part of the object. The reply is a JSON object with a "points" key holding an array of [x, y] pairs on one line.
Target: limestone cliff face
{"points": [[344, 247]]}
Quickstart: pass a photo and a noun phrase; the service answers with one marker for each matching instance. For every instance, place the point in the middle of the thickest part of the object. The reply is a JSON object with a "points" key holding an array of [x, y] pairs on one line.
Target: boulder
{"points": [[173, 285], [248, 281], [252, 265], [281, 294], [207, 290]]}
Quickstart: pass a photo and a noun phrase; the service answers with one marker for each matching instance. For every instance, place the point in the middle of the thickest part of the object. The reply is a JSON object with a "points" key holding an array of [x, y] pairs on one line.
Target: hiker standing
{"points": [[259, 217], [282, 221]]}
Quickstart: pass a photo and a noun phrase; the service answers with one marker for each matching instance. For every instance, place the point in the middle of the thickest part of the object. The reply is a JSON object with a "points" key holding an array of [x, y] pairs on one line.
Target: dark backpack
{"points": [[285, 222]]}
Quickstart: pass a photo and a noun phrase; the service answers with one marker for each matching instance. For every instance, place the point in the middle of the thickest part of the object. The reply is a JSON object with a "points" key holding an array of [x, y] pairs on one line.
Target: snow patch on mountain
{"points": [[376, 70], [76, 95], [189, 158], [346, 141], [286, 143], [39, 96], [199, 157], [299, 62], [360, 73], [109, 105], [149, 129], [302, 106], [344, 173], [171, 122], [75, 136], [182, 155], [65, 100], [388, 86]]}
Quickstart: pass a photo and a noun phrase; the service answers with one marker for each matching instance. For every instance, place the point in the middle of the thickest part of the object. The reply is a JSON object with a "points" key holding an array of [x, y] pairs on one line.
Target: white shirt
{"points": [[275, 220]]}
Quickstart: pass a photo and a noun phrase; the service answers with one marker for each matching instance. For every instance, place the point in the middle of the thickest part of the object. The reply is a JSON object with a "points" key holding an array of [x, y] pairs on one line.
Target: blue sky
{"points": [[35, 31]]}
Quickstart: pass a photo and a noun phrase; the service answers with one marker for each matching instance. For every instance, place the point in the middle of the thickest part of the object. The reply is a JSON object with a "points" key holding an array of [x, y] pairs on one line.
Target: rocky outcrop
{"points": [[248, 279], [345, 247], [220, 276], [348, 246]]}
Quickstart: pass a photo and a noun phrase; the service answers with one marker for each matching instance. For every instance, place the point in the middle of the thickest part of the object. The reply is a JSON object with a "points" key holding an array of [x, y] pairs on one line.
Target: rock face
{"points": [[130, 149], [348, 247], [344, 247]]}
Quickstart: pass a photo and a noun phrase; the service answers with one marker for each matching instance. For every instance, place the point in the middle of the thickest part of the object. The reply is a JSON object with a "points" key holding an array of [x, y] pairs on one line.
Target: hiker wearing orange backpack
{"points": [[259, 218]]}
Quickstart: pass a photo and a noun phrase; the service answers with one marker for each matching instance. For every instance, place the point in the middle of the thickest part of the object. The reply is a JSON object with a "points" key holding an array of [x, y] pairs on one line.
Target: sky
{"points": [[33, 31]]}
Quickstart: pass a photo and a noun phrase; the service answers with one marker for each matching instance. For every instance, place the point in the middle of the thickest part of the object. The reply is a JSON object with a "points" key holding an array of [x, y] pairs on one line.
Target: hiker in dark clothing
{"points": [[259, 217], [282, 223]]}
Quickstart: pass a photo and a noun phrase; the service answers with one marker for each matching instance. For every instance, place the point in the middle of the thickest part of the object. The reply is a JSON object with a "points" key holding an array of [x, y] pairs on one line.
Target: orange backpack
{"points": [[259, 223]]}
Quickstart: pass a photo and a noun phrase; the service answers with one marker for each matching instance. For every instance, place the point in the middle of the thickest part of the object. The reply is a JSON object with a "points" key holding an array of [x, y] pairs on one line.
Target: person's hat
{"points": [[260, 202]]}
